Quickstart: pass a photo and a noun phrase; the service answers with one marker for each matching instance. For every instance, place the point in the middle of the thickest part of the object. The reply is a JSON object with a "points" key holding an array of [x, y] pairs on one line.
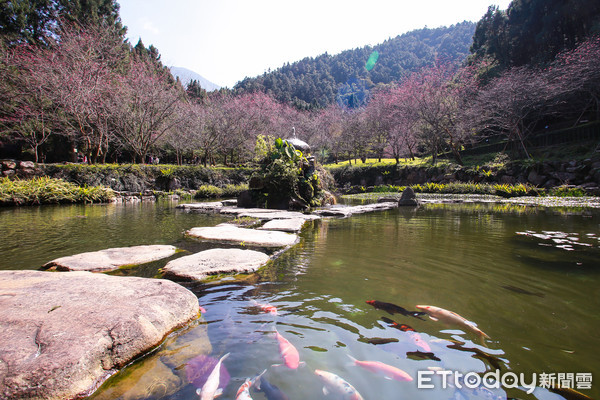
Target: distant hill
{"points": [[349, 76], [186, 76]]}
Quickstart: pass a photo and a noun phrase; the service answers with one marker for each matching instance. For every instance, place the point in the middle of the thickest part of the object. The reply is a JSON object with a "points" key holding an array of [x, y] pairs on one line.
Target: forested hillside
{"points": [[347, 77]]}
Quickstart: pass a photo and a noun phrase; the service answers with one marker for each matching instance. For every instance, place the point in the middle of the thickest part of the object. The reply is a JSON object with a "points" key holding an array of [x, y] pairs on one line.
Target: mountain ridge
{"points": [[186, 76]]}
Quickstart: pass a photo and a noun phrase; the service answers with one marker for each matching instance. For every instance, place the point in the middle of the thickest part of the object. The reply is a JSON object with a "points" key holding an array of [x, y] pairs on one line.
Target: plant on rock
{"points": [[287, 179]]}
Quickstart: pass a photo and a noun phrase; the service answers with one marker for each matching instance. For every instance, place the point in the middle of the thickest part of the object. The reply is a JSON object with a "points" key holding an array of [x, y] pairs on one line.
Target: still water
{"points": [[528, 277]]}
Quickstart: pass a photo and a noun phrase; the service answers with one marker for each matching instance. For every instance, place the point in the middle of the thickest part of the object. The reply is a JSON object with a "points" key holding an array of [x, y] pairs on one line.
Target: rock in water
{"points": [[64, 333], [215, 261], [111, 259], [408, 198], [249, 237]]}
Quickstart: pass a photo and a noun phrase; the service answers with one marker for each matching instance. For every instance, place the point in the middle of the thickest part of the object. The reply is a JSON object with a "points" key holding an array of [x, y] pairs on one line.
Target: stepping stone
{"points": [[201, 265], [228, 233], [293, 225], [348, 211], [111, 259], [64, 333]]}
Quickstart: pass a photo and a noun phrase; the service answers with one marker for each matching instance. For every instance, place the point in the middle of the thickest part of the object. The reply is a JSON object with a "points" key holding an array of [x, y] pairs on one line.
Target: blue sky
{"points": [[227, 40]]}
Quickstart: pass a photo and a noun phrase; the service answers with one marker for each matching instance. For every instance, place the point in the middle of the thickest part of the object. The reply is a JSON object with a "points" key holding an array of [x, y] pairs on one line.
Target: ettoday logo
{"points": [[506, 380]]}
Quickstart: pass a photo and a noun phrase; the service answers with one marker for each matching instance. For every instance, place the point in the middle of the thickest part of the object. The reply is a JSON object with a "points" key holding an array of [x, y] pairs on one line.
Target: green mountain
{"points": [[349, 76]]}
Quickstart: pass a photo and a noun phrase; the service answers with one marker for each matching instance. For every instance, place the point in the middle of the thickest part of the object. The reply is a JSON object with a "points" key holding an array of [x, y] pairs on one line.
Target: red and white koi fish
{"points": [[451, 318], [266, 308], [386, 370], [336, 385], [288, 352], [243, 392], [211, 389]]}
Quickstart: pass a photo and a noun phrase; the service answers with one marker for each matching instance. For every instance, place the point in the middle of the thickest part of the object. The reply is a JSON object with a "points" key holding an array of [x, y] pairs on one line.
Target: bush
{"points": [[44, 190]]}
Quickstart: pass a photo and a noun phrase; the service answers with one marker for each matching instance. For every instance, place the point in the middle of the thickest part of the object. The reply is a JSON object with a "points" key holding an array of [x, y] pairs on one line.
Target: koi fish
{"points": [[380, 368], [243, 392], [202, 310], [415, 337], [394, 309], [211, 389], [288, 352], [272, 392], [452, 318], [266, 308], [336, 385]]}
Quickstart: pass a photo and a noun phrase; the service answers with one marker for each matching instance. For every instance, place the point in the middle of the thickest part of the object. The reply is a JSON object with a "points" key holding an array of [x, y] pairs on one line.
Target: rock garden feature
{"points": [[227, 233], [201, 265], [111, 259], [63, 333], [348, 211], [287, 179]]}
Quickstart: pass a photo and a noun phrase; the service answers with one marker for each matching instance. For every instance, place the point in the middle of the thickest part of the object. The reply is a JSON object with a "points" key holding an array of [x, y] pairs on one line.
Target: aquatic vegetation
{"points": [[44, 190]]}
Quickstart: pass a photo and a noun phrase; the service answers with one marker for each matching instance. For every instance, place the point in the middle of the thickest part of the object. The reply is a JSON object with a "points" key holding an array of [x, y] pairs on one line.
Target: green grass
{"points": [[374, 162], [44, 190], [504, 190]]}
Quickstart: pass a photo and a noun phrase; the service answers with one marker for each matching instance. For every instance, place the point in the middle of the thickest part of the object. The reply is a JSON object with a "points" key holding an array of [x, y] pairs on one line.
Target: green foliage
{"points": [[324, 80], [214, 192], [44, 190], [533, 31], [567, 191]]}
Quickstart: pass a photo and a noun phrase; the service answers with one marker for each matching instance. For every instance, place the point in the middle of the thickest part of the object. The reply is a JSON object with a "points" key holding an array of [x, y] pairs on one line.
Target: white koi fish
{"points": [[451, 318], [390, 372], [336, 385], [210, 390]]}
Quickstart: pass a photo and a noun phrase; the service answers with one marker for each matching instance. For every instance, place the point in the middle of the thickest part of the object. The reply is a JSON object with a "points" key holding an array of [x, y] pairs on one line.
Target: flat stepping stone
{"points": [[111, 259], [273, 215], [348, 211], [293, 225], [201, 265], [64, 333], [206, 207], [228, 233]]}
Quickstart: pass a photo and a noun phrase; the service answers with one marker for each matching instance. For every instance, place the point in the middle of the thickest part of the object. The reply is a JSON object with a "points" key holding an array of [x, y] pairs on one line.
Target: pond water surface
{"points": [[528, 277]]}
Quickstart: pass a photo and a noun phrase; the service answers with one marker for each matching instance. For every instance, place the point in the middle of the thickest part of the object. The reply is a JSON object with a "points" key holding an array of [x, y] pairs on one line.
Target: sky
{"points": [[228, 40]]}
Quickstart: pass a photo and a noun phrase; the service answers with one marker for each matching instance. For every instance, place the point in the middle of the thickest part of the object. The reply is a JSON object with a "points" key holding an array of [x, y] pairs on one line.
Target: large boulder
{"points": [[408, 198], [111, 259], [63, 333], [201, 265]]}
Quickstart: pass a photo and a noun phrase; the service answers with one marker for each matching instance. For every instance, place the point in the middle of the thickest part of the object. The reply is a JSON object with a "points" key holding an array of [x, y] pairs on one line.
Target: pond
{"points": [[528, 277]]}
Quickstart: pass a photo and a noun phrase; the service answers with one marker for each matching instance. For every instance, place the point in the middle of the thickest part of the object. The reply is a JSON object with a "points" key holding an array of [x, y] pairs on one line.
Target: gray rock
{"points": [[269, 216], [64, 333], [111, 259], [26, 165], [535, 178], [228, 233], [215, 261], [208, 207], [408, 198], [285, 225]]}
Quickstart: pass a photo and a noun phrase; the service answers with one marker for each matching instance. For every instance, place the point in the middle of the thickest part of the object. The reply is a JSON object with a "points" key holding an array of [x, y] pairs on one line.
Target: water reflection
{"points": [[535, 302]]}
